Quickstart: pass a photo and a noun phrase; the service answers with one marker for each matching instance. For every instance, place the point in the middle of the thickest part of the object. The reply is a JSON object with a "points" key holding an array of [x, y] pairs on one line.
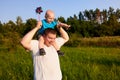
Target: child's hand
{"points": [[67, 26], [39, 24]]}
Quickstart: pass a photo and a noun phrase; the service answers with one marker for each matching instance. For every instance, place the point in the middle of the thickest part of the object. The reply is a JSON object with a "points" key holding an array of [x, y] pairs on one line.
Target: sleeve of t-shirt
{"points": [[60, 41], [34, 46]]}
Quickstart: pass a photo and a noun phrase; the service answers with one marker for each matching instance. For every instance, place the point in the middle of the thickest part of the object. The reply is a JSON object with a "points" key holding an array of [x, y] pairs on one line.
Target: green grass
{"points": [[15, 65], [91, 63], [82, 63]]}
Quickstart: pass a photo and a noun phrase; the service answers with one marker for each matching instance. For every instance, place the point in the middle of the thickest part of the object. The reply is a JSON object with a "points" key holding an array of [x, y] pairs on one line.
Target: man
{"points": [[45, 67]]}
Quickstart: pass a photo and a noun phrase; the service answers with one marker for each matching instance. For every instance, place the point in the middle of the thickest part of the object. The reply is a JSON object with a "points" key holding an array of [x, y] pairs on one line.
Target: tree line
{"points": [[89, 23]]}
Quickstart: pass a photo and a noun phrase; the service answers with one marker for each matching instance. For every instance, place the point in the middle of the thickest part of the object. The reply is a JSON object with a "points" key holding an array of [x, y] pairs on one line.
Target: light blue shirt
{"points": [[46, 25]]}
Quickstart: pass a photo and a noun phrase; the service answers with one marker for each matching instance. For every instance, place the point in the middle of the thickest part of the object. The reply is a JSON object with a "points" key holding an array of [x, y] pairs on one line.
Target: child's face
{"points": [[50, 18]]}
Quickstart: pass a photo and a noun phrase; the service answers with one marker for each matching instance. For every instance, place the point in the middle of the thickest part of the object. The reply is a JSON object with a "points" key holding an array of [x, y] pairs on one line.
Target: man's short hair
{"points": [[50, 30]]}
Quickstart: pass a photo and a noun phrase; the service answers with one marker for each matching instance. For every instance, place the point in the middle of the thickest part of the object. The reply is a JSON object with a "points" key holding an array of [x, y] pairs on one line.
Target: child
{"points": [[49, 22]]}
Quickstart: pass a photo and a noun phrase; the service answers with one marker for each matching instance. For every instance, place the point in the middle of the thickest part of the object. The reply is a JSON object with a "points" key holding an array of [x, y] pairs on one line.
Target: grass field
{"points": [[78, 63], [91, 63]]}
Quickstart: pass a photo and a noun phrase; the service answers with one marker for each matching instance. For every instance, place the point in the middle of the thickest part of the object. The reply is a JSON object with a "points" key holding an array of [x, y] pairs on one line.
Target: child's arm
{"points": [[63, 25]]}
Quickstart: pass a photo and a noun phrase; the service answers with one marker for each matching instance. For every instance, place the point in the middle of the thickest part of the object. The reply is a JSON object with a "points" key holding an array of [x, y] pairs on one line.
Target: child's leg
{"points": [[41, 46], [41, 42], [58, 49]]}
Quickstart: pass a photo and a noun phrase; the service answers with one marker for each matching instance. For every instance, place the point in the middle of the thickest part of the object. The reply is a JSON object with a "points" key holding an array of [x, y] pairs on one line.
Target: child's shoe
{"points": [[60, 53], [42, 52]]}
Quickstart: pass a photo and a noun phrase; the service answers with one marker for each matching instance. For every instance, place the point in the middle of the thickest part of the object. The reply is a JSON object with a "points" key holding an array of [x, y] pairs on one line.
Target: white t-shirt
{"points": [[46, 67]]}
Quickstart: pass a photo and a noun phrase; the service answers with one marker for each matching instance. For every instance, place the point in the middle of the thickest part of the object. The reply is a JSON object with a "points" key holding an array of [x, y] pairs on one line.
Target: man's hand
{"points": [[39, 24]]}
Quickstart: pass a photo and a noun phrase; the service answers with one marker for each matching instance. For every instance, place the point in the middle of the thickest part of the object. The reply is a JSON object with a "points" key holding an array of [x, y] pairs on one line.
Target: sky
{"points": [[11, 9]]}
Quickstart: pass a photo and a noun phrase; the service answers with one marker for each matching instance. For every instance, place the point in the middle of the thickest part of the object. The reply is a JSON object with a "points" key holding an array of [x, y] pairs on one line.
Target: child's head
{"points": [[49, 15]]}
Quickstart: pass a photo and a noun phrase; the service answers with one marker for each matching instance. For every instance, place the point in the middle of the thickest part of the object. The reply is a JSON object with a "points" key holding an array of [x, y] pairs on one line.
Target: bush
{"points": [[95, 41]]}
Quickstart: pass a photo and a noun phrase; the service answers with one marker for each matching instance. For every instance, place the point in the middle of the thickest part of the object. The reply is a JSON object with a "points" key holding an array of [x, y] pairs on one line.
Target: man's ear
{"points": [[44, 35]]}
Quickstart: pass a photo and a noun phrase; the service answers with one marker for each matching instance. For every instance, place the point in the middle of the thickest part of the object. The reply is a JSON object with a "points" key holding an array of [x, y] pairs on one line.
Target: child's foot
{"points": [[60, 53], [42, 52]]}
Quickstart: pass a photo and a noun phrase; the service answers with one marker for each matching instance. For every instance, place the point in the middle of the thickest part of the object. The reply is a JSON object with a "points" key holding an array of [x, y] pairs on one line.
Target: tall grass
{"points": [[15, 65], [91, 63], [80, 63], [94, 41]]}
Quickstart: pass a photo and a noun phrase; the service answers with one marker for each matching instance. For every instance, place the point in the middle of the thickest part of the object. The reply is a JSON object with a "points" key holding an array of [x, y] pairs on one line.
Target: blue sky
{"points": [[10, 9]]}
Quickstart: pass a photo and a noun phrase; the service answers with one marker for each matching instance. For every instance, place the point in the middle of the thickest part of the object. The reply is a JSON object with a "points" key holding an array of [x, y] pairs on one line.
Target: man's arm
{"points": [[28, 37], [63, 33]]}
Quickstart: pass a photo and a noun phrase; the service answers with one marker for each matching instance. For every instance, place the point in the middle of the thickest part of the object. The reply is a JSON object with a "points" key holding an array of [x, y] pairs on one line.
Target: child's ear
{"points": [[45, 16]]}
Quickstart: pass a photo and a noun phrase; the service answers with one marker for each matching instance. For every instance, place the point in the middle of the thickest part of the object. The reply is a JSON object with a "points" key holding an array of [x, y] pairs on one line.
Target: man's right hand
{"points": [[39, 24]]}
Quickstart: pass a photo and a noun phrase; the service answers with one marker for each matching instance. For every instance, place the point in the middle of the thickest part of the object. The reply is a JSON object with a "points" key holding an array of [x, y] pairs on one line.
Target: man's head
{"points": [[49, 15], [49, 36]]}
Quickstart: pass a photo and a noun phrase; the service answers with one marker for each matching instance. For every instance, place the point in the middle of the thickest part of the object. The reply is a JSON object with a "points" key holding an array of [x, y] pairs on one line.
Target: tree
{"points": [[113, 23], [81, 16], [87, 15], [98, 16], [30, 24], [70, 20], [10, 26], [19, 21], [61, 19], [118, 14], [104, 15], [75, 17], [110, 11], [92, 15], [1, 27]]}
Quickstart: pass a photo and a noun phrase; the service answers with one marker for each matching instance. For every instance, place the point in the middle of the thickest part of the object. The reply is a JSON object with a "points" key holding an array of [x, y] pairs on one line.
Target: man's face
{"points": [[49, 39]]}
